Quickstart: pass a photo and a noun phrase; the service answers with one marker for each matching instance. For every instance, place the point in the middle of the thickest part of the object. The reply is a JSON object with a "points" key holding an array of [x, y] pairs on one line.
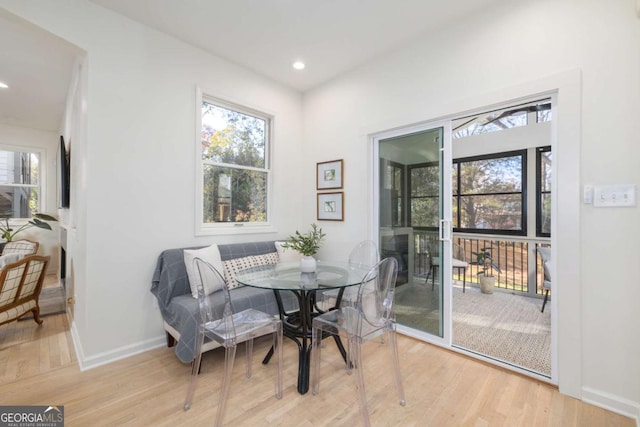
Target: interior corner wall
{"points": [[136, 168], [509, 45], [74, 218]]}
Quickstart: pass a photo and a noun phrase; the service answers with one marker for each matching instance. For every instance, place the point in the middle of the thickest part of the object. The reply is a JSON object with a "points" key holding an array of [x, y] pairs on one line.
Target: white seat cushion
{"points": [[455, 263], [458, 263]]}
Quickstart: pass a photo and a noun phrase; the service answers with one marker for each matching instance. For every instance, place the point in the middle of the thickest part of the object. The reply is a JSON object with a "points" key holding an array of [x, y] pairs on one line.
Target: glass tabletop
{"points": [[287, 276]]}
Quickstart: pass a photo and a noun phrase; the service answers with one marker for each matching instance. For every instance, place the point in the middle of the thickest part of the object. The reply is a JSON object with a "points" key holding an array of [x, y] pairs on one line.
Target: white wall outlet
{"points": [[608, 196]]}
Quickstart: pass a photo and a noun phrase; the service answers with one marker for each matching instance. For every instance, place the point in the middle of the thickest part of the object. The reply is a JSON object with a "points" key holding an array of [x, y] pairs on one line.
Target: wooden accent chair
{"points": [[22, 247], [20, 285]]}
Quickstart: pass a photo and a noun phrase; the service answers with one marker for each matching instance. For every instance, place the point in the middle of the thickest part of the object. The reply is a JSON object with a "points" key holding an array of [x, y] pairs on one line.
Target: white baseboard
{"points": [[123, 352], [86, 363], [612, 403], [75, 338]]}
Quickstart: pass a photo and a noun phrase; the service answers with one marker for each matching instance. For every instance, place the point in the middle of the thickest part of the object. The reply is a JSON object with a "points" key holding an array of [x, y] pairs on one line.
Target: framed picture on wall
{"points": [[329, 175], [331, 206]]}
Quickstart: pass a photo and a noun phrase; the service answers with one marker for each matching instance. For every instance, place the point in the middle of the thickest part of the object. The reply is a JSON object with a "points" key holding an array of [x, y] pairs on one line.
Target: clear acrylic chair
{"points": [[364, 256], [229, 330], [371, 315]]}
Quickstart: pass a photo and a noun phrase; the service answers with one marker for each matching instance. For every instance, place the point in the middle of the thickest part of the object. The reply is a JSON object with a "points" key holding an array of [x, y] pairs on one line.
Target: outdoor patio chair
{"points": [[545, 255], [458, 262]]}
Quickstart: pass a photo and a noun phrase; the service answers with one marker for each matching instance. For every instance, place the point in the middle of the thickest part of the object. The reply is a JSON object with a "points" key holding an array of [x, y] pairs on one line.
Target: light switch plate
{"points": [[609, 196], [587, 195]]}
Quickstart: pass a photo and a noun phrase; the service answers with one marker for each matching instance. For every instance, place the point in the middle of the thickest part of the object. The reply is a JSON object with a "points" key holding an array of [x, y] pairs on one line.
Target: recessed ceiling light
{"points": [[298, 65], [3, 85]]}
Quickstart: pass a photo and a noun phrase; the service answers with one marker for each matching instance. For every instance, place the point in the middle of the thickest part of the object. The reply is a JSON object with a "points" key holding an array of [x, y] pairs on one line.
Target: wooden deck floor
{"points": [[38, 366]]}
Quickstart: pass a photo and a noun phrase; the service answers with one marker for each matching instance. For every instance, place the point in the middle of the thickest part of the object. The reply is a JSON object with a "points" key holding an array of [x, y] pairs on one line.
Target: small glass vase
{"points": [[307, 264]]}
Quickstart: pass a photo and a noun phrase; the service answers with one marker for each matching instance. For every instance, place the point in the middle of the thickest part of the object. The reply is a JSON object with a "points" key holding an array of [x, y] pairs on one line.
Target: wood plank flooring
{"points": [[38, 366]]}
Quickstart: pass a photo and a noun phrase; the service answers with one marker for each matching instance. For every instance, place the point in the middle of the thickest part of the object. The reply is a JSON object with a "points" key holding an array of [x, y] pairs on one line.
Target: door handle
{"points": [[445, 230]]}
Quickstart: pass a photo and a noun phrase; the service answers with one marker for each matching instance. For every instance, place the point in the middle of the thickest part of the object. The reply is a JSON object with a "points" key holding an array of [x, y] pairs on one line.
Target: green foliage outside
{"points": [[233, 194], [480, 207]]}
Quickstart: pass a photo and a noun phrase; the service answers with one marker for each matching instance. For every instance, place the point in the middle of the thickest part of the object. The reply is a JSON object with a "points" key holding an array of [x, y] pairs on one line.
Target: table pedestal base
{"points": [[297, 327]]}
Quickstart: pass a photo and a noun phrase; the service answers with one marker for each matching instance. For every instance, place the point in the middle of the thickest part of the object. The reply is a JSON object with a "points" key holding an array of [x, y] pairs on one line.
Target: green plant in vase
{"points": [[484, 260], [308, 245]]}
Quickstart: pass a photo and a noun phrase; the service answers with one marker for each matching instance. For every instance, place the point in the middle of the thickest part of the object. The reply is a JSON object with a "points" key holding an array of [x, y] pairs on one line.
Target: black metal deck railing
{"points": [[511, 259]]}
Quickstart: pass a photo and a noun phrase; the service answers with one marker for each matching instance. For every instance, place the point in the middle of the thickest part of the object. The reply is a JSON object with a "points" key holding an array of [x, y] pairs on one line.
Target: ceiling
{"points": [[37, 66], [266, 36]]}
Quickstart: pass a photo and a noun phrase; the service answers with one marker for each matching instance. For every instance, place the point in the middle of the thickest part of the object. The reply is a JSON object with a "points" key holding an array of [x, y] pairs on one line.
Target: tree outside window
{"points": [[543, 173], [425, 195], [489, 197], [234, 150]]}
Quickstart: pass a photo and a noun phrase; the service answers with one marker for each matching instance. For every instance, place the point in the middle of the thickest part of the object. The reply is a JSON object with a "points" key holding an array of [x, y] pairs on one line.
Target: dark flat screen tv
{"points": [[64, 171]]}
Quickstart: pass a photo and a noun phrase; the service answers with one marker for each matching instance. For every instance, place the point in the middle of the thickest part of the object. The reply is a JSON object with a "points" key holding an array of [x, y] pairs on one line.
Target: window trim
{"points": [[403, 189], [523, 230], [539, 191], [435, 164], [42, 175], [222, 228]]}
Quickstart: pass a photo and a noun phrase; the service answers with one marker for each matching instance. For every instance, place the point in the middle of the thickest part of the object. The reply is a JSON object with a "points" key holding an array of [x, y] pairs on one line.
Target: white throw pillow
{"points": [[212, 282], [236, 265], [286, 254], [9, 259]]}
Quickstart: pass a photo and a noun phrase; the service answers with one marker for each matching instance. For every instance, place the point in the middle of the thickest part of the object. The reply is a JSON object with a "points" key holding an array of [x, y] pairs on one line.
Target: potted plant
{"points": [[483, 260], [8, 234], [307, 244]]}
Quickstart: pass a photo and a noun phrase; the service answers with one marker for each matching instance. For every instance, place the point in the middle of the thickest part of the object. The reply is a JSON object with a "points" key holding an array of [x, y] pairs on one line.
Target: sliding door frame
{"points": [[445, 272]]}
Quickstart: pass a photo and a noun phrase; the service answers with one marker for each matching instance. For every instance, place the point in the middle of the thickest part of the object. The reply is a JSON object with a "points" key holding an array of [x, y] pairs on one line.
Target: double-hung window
{"points": [[19, 183], [234, 158]]}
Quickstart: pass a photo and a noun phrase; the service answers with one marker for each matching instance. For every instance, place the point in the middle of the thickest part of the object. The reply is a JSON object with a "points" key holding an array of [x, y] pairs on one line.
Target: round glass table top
{"points": [[287, 276]]}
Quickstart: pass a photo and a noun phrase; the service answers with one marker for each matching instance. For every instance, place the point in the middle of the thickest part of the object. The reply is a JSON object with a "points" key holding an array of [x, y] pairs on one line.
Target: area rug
{"points": [[506, 327]]}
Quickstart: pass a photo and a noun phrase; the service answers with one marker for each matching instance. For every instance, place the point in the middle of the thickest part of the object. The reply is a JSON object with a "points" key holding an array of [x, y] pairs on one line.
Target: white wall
{"points": [[137, 169], [518, 138], [47, 142], [484, 57]]}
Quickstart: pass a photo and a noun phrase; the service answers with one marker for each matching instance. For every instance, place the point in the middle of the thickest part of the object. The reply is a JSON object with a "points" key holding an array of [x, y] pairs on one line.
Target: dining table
{"points": [[297, 324]]}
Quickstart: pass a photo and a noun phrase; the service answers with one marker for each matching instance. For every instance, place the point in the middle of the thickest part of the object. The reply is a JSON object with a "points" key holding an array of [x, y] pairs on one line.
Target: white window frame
{"points": [[42, 176], [218, 228]]}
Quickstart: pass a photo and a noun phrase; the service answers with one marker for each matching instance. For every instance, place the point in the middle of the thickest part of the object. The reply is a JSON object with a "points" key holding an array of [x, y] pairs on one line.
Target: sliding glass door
{"points": [[414, 205]]}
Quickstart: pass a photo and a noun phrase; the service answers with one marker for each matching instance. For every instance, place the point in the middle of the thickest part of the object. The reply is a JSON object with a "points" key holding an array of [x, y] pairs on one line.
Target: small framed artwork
{"points": [[329, 175], [331, 206]]}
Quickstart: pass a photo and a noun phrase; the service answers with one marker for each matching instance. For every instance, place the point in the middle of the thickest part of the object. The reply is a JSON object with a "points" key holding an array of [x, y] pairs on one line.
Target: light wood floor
{"points": [[38, 366], [50, 281]]}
